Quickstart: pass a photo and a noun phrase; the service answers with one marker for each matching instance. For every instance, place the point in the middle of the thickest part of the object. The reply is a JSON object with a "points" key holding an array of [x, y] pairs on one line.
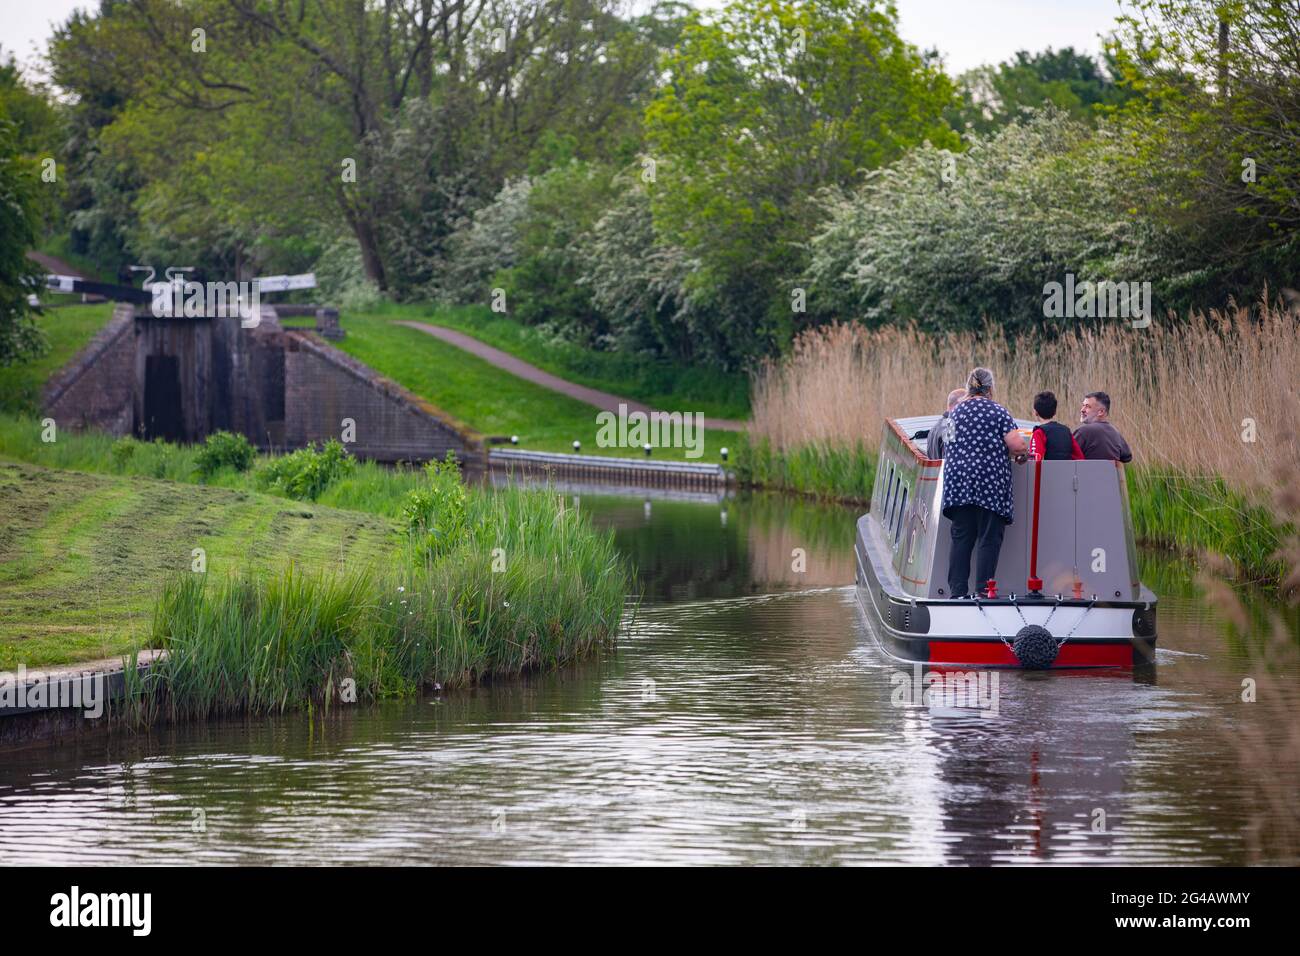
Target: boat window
{"points": [[889, 501], [902, 510], [893, 511]]}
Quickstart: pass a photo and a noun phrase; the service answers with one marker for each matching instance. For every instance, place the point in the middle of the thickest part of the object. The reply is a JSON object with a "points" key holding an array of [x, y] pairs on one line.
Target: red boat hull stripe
{"points": [[1118, 654]]}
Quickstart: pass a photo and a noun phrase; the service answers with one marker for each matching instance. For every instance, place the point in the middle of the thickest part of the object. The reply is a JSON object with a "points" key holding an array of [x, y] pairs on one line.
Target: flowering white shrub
{"points": [[949, 239]]}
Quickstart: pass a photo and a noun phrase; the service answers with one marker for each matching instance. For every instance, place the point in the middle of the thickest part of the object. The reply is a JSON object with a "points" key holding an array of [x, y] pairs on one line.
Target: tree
{"points": [[764, 104], [639, 285], [992, 96], [1218, 126], [88, 65], [20, 338], [36, 130], [36, 124], [389, 119], [1039, 198]]}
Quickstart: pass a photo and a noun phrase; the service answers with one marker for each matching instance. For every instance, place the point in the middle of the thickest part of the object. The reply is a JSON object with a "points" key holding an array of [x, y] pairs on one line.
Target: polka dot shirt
{"points": [[976, 466]]}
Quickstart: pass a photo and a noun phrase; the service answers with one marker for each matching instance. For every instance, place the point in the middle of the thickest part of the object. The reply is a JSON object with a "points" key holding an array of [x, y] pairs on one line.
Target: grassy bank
{"points": [[527, 584], [67, 329], [655, 382], [365, 486], [834, 472], [486, 398], [414, 579], [83, 557]]}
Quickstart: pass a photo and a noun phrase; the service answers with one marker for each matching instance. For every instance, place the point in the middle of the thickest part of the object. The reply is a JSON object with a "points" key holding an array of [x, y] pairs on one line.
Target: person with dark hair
{"points": [[1051, 441], [977, 495], [1096, 436], [942, 429]]}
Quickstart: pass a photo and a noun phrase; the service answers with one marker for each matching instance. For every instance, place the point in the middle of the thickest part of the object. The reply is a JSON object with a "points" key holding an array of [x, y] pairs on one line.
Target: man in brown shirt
{"points": [[1096, 436]]}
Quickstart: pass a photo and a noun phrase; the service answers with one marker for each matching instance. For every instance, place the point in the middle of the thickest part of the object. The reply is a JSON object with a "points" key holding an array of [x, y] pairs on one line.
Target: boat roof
{"points": [[917, 428]]}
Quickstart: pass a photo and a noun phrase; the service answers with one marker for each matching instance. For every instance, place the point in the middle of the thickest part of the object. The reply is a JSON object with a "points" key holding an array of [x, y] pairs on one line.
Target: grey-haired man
{"points": [[1096, 436], [942, 430]]}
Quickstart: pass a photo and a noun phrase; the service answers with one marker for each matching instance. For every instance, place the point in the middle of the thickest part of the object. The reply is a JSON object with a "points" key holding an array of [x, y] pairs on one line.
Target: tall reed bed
{"points": [[530, 585], [1210, 406]]}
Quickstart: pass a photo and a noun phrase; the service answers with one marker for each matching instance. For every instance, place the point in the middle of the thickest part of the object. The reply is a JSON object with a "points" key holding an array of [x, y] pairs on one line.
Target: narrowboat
{"points": [[1066, 593]]}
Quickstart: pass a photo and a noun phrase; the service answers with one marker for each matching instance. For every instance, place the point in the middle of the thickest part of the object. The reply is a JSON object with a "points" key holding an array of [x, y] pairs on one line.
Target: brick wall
{"points": [[281, 388], [323, 386], [95, 389]]}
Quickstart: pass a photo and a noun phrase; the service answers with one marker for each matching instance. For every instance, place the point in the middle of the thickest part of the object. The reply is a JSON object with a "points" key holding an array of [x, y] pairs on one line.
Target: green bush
{"points": [[162, 457], [435, 514], [542, 286], [307, 472], [946, 240], [224, 450], [485, 244], [746, 130], [341, 277], [123, 450]]}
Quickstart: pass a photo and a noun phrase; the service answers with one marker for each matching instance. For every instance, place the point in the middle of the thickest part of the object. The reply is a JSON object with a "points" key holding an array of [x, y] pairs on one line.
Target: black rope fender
{"points": [[1034, 646]]}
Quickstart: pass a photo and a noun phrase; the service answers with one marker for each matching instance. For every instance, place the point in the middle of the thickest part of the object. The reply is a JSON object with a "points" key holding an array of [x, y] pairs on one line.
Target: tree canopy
{"points": [[694, 185]]}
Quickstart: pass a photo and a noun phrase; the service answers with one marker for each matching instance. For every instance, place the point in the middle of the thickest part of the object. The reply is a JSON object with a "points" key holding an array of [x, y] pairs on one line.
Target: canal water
{"points": [[746, 716]]}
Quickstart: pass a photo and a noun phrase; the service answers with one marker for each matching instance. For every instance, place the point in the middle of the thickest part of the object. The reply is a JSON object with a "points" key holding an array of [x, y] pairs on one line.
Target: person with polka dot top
{"points": [[977, 495]]}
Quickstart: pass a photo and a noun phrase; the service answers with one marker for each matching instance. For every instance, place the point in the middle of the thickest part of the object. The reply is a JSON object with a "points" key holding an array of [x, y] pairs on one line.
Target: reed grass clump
{"points": [[1266, 734], [529, 585], [1207, 404], [821, 470], [306, 473]]}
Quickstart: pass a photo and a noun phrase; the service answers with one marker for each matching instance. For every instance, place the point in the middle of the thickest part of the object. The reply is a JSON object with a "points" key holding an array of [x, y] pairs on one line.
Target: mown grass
{"points": [[657, 383], [67, 330], [83, 556], [490, 400]]}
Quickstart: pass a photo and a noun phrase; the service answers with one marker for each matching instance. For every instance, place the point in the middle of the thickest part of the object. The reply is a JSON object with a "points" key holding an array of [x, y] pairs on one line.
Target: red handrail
{"points": [[1034, 584]]}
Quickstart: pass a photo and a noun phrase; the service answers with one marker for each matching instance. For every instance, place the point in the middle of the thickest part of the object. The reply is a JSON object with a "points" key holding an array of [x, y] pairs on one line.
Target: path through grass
{"points": [[486, 398]]}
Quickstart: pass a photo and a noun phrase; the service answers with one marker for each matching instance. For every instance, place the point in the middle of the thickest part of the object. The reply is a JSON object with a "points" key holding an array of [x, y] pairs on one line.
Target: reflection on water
{"points": [[688, 550], [747, 716]]}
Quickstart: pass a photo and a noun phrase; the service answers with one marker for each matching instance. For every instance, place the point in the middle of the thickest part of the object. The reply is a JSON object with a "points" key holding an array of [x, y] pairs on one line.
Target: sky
{"points": [[966, 32]]}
